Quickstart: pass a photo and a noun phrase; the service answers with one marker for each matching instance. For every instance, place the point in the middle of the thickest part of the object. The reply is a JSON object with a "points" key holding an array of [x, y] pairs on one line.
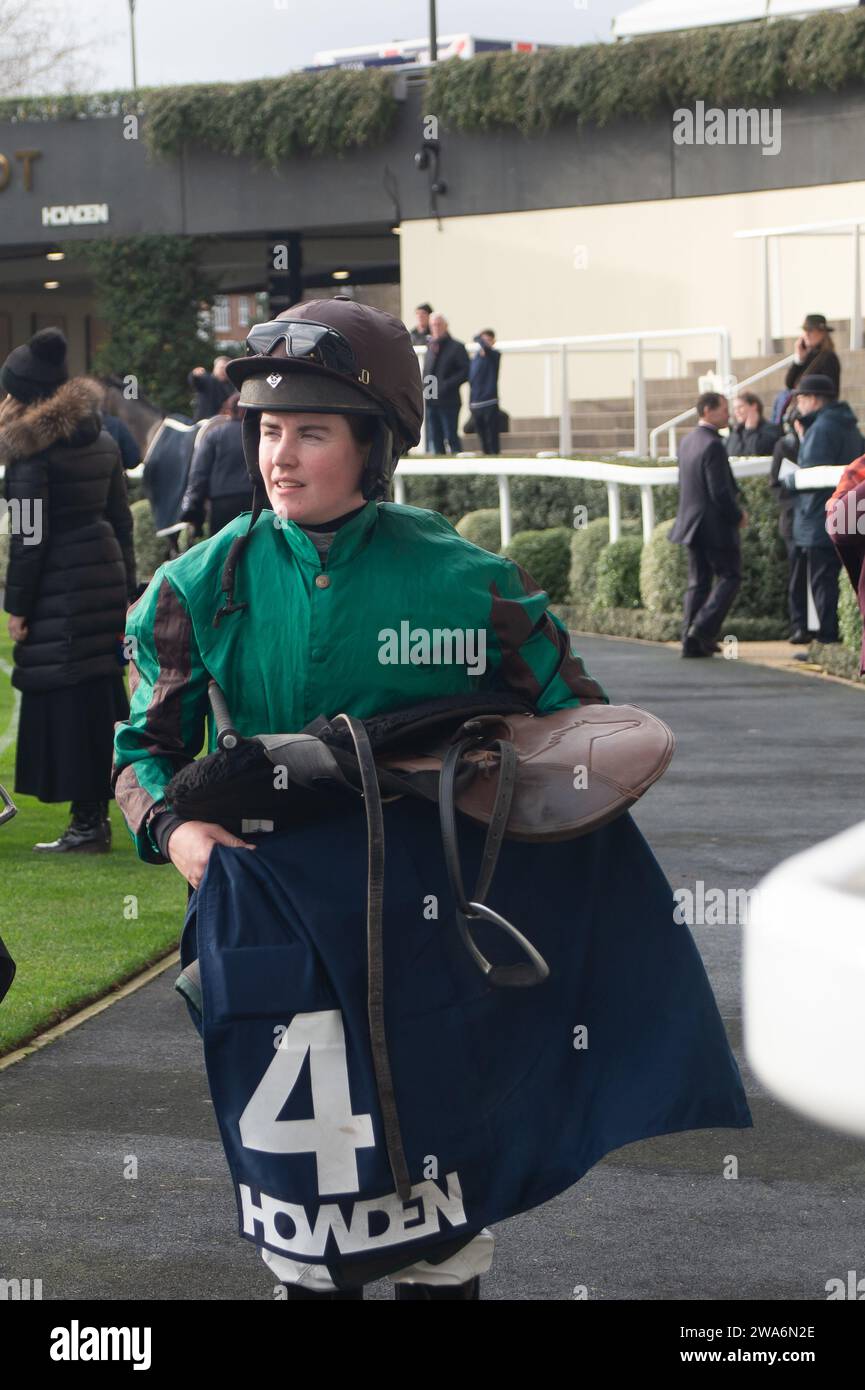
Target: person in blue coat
{"points": [[829, 434]]}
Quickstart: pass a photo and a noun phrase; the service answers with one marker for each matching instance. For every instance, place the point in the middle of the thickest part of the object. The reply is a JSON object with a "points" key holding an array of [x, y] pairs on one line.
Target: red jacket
{"points": [[845, 522]]}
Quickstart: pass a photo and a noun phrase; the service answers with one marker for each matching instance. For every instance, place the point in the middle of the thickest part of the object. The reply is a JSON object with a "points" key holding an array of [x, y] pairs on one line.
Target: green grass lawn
{"points": [[62, 918]]}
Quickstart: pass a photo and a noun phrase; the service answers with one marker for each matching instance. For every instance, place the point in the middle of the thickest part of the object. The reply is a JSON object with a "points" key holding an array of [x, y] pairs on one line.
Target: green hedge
{"points": [[149, 290], [663, 572], [272, 119], [267, 120], [150, 551], [617, 579], [849, 616], [593, 84], [546, 556], [620, 622], [586, 545], [482, 528], [763, 596], [536, 503], [333, 112], [764, 559]]}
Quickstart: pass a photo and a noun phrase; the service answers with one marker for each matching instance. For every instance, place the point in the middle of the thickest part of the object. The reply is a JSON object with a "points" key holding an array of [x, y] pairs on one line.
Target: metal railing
{"points": [[770, 237], [613, 475], [638, 342], [734, 387]]}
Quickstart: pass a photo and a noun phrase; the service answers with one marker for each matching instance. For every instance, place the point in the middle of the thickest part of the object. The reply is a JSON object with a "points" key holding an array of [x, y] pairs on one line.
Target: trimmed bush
{"points": [[763, 595], [546, 556], [658, 627], [594, 84], [764, 558], [663, 572], [617, 578], [849, 617], [482, 528], [150, 551], [587, 542], [620, 622]]}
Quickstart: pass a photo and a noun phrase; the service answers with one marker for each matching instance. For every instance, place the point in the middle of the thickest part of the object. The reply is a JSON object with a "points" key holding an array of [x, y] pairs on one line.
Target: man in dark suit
{"points": [[445, 369], [708, 522]]}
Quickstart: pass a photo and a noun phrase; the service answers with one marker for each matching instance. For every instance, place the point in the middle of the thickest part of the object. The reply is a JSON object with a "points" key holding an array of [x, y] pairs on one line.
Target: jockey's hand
{"points": [[17, 628], [190, 844]]}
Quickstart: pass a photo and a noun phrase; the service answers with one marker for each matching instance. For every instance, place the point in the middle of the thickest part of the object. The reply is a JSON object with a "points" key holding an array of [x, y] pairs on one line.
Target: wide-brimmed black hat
{"points": [[816, 385], [817, 321]]}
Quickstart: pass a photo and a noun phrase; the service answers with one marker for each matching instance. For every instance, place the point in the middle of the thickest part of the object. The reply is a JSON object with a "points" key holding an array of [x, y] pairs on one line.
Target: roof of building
{"points": [[664, 16]]}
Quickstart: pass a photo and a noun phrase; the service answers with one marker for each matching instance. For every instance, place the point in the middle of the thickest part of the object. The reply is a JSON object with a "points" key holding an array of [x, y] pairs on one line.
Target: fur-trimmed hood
{"points": [[51, 421]]}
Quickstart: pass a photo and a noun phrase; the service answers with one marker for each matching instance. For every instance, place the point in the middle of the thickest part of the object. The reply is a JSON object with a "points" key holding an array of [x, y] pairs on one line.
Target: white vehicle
{"points": [[417, 51]]}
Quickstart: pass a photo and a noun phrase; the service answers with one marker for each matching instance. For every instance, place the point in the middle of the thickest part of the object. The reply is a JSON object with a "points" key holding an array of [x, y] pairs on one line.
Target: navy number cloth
{"points": [[506, 1097]]}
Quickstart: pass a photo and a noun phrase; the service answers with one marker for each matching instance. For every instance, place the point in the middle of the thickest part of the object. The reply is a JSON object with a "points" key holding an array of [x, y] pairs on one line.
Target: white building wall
{"points": [[616, 268]]}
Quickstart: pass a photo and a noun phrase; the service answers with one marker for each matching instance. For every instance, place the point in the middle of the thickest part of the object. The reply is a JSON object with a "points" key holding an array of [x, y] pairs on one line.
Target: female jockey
{"points": [[312, 605]]}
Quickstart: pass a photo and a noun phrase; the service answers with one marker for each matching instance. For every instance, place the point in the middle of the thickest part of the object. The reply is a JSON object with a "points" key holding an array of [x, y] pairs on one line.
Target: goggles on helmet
{"points": [[306, 342]]}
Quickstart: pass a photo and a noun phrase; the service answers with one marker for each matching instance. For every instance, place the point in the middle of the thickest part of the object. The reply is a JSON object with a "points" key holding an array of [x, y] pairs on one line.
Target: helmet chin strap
{"points": [[380, 463]]}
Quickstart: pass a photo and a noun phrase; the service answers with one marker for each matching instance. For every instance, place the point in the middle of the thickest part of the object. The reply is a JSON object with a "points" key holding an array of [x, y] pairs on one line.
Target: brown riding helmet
{"points": [[343, 358]]}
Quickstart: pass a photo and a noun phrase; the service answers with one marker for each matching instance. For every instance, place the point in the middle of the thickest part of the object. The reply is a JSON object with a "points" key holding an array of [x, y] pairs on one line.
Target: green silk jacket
{"points": [[402, 610]]}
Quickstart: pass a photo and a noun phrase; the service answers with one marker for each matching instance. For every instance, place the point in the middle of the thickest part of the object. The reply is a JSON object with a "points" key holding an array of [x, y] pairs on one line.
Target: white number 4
{"points": [[334, 1133]]}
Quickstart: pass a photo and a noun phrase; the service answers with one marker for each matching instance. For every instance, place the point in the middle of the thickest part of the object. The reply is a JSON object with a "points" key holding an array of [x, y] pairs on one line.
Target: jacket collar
{"points": [[349, 539], [46, 422]]}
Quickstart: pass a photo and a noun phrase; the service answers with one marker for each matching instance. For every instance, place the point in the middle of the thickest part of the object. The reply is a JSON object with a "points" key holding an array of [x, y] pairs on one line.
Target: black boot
{"points": [[87, 832], [404, 1293]]}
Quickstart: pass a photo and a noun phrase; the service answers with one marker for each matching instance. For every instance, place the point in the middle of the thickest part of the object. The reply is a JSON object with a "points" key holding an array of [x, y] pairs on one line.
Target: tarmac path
{"points": [[767, 763]]}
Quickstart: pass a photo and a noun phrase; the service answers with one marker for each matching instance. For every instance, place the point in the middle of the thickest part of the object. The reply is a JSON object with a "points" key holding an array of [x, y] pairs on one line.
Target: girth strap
{"points": [[375, 955], [536, 970]]}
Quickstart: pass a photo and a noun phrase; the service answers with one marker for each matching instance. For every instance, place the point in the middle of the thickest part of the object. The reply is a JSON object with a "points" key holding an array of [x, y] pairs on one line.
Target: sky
{"points": [[231, 40]]}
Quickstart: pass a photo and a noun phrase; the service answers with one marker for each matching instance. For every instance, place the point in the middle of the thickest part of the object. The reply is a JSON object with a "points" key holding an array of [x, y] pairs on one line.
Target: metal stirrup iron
{"points": [[536, 969]]}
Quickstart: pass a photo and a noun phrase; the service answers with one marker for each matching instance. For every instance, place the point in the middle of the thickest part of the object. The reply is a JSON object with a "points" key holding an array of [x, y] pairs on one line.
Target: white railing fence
{"points": [[557, 351], [615, 476], [770, 239]]}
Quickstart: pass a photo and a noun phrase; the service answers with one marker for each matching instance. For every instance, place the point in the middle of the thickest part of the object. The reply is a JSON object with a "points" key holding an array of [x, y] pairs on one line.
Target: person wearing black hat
{"points": [[71, 574], [829, 435], [814, 354]]}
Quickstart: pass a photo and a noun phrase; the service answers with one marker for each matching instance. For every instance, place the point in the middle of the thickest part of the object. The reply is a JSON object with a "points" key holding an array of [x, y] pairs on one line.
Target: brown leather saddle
{"points": [[490, 756]]}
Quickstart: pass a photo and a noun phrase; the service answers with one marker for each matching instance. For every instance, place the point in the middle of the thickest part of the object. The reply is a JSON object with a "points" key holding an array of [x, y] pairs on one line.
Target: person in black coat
{"points": [[420, 334], [212, 389], [123, 437], [445, 369], [751, 435], [708, 522], [484, 390], [814, 353], [218, 472], [71, 576]]}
